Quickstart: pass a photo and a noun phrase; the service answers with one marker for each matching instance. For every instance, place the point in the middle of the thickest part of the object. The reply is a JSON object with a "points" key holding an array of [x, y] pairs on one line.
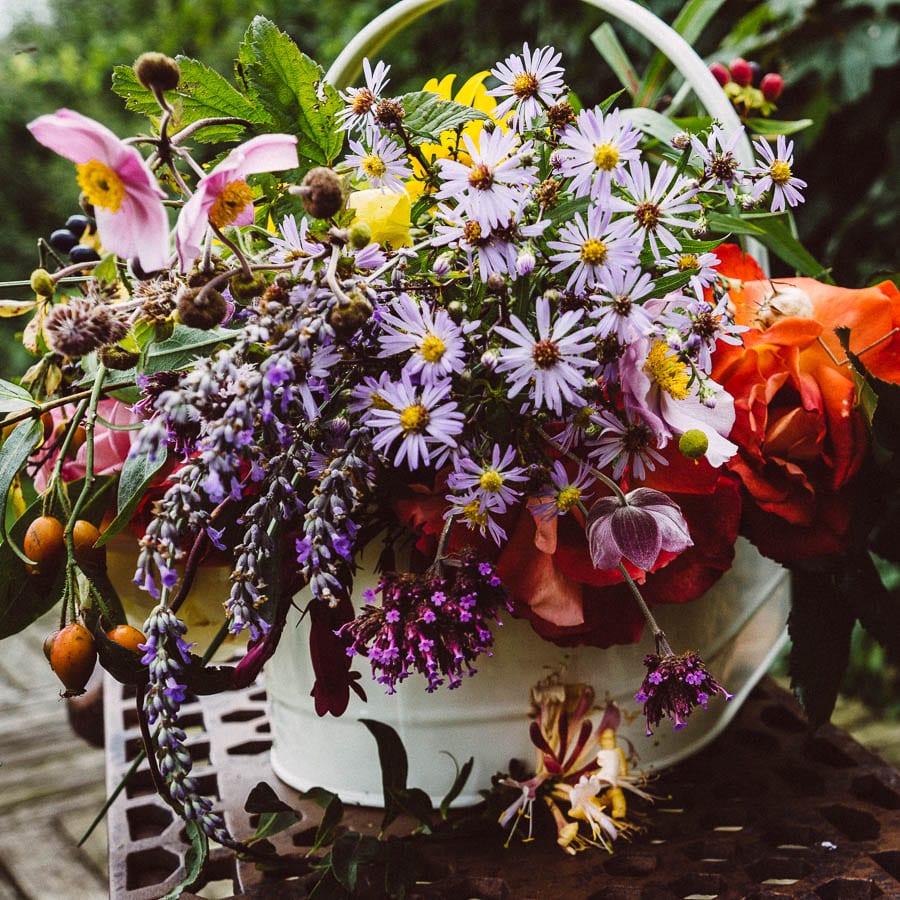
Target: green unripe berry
{"points": [[42, 283], [243, 288], [693, 443], [115, 357], [360, 235]]}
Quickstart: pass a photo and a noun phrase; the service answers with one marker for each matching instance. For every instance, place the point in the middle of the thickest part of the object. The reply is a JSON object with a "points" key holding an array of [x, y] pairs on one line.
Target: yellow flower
{"points": [[387, 213], [473, 93]]}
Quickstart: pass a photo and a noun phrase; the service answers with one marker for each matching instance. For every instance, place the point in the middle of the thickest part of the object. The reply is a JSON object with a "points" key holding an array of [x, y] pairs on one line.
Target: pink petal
{"points": [[76, 137], [637, 534], [266, 153], [190, 229]]}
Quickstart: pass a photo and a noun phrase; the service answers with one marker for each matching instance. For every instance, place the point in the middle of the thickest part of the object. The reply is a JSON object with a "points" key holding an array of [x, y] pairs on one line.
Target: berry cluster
{"points": [[74, 239], [748, 88]]}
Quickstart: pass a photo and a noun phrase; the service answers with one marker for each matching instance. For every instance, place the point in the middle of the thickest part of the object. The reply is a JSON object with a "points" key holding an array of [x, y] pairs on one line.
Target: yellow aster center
{"points": [[567, 498], [780, 172], [432, 349], [473, 515], [525, 84], [376, 401], [490, 481], [669, 372], [414, 419], [230, 203], [688, 261], [481, 177], [648, 215], [373, 166], [472, 233], [593, 252], [606, 157], [101, 185]]}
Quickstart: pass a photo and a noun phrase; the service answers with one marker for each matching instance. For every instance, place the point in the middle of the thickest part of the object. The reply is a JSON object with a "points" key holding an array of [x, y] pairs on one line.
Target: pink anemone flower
{"points": [[223, 197], [116, 180]]}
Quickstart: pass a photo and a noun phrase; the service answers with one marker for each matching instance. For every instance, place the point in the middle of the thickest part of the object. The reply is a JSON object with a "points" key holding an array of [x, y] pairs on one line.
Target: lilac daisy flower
{"points": [[383, 164], [595, 150], [359, 113], [294, 246], [370, 394], [564, 491], [620, 312], [773, 170], [629, 444], [312, 374], [719, 161], [593, 248], [702, 267], [476, 516], [550, 363], [435, 340], [491, 187], [529, 83], [488, 482], [421, 419], [657, 204]]}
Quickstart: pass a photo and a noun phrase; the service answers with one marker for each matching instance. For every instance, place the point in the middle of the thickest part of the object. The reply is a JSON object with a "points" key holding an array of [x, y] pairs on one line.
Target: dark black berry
{"points": [[63, 240], [81, 253], [756, 69], [77, 224]]}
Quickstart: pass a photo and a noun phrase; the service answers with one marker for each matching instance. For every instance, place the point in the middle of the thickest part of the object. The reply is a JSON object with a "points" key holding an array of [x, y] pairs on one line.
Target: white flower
{"points": [[774, 172], [383, 164], [359, 113], [529, 82], [551, 362]]}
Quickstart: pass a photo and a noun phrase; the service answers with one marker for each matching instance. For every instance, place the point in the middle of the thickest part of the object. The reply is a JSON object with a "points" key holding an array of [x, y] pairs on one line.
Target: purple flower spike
{"points": [[639, 531], [674, 685]]}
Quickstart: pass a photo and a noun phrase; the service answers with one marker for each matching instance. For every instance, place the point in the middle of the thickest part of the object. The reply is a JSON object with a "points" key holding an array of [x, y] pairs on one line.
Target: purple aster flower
{"points": [[774, 171], [295, 246], [382, 163], [620, 311], [489, 482], [564, 491], [630, 443], [529, 83], [638, 530], [719, 161], [359, 113]]}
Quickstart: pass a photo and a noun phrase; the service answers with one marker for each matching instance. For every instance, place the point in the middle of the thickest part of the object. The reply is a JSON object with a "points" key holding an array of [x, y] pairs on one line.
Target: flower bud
{"points": [[321, 192], [114, 356], [157, 72], [771, 86], [443, 264], [42, 283], [360, 235], [693, 443], [201, 308], [244, 288], [525, 261]]}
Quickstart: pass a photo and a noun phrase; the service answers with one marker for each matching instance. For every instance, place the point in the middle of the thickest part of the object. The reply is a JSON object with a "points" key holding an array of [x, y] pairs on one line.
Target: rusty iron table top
{"points": [[766, 811]]}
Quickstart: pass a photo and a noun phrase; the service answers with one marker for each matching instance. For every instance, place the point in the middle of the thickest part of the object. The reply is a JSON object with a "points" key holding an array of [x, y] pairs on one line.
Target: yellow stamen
{"points": [[472, 514], [606, 157], [432, 349], [414, 419], [525, 84], [481, 177], [567, 498], [669, 372], [101, 185], [780, 172], [593, 252], [490, 481], [230, 203], [376, 401], [688, 261], [373, 166]]}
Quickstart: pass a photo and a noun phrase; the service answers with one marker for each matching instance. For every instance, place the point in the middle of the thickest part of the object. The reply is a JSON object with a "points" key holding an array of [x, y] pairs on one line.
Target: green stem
{"points": [[617, 491], [662, 644], [34, 412]]}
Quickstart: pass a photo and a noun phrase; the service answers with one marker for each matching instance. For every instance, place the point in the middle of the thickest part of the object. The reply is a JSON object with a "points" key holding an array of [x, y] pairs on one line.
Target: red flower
{"points": [[801, 437]]}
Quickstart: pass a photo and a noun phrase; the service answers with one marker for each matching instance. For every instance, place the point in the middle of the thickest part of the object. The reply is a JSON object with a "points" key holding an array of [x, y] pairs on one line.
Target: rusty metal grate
{"points": [[767, 811]]}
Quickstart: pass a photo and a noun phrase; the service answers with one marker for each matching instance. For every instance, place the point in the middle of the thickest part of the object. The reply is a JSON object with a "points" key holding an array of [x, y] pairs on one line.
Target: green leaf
{"points": [[394, 767], [331, 819], [771, 231], [15, 451], [427, 115], [416, 803], [775, 127], [184, 347], [607, 44], [136, 475], [106, 269], [14, 399], [820, 625], [652, 123], [263, 799], [194, 860], [350, 851], [462, 776], [290, 88]]}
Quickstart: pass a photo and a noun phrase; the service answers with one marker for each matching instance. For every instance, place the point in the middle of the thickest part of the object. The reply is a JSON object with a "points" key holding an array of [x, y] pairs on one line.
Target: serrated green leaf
{"points": [[427, 115], [14, 398], [820, 625], [776, 127], [290, 87], [137, 473], [106, 270]]}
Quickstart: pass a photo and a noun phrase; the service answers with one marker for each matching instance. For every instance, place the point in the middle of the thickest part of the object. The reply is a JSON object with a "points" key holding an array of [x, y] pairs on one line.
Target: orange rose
{"points": [[801, 437]]}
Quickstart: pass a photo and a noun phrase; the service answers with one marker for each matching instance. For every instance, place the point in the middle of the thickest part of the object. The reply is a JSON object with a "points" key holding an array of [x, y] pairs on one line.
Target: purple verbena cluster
{"points": [[435, 625], [673, 686]]}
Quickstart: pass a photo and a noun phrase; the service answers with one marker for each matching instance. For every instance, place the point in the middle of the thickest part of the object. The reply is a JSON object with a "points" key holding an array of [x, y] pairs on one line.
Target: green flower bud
{"points": [[693, 443], [42, 283], [360, 235], [243, 288]]}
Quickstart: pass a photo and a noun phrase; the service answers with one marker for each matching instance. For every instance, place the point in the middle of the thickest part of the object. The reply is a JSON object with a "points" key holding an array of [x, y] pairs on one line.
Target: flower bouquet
{"points": [[494, 341]]}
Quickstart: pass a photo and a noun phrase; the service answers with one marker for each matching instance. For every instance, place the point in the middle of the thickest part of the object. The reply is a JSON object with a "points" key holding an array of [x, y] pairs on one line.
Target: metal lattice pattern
{"points": [[766, 811]]}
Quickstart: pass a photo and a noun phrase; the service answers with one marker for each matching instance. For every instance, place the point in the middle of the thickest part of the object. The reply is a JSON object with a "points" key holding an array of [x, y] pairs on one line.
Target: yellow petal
{"points": [[387, 213]]}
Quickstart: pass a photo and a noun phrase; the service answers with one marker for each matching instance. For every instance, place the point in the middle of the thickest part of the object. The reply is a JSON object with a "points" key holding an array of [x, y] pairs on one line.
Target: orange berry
{"points": [[127, 636], [73, 656], [84, 536], [44, 542]]}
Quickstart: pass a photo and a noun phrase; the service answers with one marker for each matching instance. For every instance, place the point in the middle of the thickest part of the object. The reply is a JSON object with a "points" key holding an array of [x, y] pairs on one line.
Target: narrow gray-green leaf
{"points": [[194, 860], [14, 398], [137, 473], [607, 44]]}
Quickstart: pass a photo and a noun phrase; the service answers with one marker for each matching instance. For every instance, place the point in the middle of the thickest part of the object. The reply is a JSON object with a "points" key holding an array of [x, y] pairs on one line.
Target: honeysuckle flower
{"points": [[638, 530], [593, 248], [551, 362], [223, 197], [359, 113], [774, 171], [381, 161], [586, 805], [387, 213], [529, 82], [674, 686], [595, 150], [115, 179]]}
